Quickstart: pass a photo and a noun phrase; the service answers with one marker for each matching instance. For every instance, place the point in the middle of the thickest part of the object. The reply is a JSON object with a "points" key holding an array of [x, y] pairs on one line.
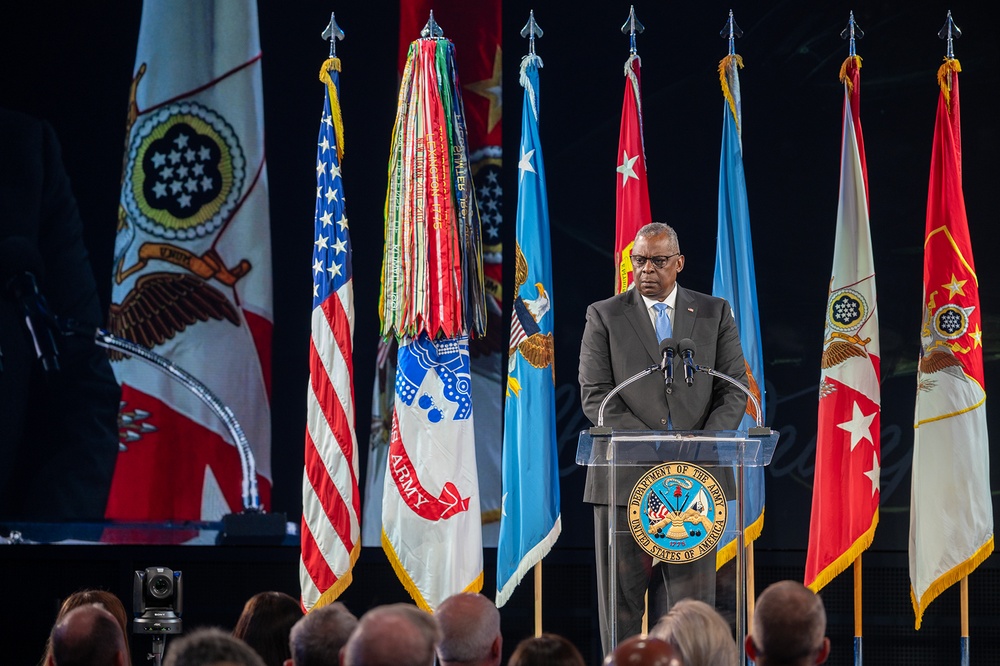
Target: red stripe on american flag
{"points": [[337, 420], [337, 320], [329, 496]]}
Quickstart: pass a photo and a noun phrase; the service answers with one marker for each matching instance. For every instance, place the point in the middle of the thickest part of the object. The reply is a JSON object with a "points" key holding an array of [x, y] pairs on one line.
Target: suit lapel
{"points": [[635, 312], [685, 314]]}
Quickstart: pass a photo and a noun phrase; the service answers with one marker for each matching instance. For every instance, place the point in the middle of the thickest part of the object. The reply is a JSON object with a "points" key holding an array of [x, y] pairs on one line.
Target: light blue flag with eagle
{"points": [[529, 520], [735, 282]]}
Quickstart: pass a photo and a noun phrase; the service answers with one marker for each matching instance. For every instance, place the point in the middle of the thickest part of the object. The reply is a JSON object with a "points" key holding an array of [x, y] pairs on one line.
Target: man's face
{"points": [[653, 282]]}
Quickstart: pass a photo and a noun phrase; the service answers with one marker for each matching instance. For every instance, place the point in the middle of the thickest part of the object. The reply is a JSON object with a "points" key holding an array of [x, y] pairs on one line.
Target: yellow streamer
{"points": [[333, 65], [844, 78], [724, 66], [944, 78]]}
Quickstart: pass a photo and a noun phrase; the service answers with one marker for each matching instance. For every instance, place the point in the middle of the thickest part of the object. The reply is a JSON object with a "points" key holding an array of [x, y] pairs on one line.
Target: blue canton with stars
{"points": [[332, 247]]}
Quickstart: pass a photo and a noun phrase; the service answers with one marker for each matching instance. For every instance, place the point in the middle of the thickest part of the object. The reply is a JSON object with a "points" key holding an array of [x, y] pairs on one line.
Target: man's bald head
{"points": [[789, 627], [470, 630], [87, 635], [392, 635]]}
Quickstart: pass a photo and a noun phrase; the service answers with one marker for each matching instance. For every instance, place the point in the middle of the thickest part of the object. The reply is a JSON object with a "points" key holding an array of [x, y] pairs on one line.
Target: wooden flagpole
{"points": [[538, 599]]}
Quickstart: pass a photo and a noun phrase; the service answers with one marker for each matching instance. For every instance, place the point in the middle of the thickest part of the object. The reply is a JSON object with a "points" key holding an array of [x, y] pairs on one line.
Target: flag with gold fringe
{"points": [[432, 301], [846, 485], [735, 280], [531, 521], [476, 27], [632, 191], [951, 510], [331, 503]]}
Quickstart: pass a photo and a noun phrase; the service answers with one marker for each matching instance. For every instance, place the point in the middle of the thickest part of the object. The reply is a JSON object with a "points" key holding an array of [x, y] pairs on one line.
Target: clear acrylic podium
{"points": [[628, 454]]}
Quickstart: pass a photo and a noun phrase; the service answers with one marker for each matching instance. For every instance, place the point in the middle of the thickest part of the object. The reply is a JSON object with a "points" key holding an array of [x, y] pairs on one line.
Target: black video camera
{"points": [[156, 601]]}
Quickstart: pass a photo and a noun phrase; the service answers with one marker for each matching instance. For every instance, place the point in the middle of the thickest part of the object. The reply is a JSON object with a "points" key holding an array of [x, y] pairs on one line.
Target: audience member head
{"points": [[470, 630], [210, 647], [789, 627], [103, 598], [265, 623], [87, 635], [546, 650], [643, 651], [316, 639], [699, 635], [392, 635]]}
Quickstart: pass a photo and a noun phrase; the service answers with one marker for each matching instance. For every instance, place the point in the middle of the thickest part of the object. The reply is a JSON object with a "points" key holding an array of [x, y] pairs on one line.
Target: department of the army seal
{"points": [[677, 512]]}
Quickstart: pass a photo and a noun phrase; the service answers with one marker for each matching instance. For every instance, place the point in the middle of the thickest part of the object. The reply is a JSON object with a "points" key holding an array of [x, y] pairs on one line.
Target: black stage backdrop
{"points": [[71, 63]]}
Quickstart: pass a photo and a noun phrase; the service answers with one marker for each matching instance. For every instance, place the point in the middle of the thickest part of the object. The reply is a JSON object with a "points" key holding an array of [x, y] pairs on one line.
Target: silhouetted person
{"points": [[698, 634], [470, 631], [392, 635], [317, 639], [58, 413], [789, 627], [265, 624], [643, 651], [87, 636], [210, 647]]}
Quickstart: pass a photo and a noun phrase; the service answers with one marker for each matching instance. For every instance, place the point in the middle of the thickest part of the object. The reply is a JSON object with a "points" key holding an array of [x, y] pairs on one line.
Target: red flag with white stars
{"points": [[846, 484], [632, 200]]}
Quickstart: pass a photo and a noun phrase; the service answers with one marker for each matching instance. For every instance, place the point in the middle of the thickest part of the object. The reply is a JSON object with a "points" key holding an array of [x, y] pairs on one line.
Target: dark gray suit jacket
{"points": [[619, 341]]}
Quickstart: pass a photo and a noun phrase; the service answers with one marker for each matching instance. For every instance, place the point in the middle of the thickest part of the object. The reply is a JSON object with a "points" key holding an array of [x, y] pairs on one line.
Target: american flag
{"points": [[655, 508], [331, 503]]}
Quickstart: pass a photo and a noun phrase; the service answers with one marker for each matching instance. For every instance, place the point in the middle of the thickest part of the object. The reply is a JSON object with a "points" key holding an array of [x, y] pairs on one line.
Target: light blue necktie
{"points": [[664, 329]]}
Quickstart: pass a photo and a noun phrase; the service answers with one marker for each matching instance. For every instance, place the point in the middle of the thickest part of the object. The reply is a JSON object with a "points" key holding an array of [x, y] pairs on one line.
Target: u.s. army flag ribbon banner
{"points": [[432, 300]]}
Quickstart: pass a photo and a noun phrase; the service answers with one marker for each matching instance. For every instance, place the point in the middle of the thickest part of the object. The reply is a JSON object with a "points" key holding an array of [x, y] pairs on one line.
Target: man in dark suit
{"points": [[620, 339], [58, 428]]}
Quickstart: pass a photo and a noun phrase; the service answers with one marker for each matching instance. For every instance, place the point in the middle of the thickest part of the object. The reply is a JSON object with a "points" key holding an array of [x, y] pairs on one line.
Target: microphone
{"points": [[667, 350], [687, 348], [21, 265]]}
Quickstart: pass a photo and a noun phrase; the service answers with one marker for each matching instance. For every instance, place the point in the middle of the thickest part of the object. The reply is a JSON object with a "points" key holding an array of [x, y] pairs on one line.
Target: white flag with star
{"points": [[846, 487]]}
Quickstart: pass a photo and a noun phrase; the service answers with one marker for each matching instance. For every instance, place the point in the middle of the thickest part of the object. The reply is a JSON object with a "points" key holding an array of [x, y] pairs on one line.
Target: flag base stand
{"points": [[252, 528]]}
